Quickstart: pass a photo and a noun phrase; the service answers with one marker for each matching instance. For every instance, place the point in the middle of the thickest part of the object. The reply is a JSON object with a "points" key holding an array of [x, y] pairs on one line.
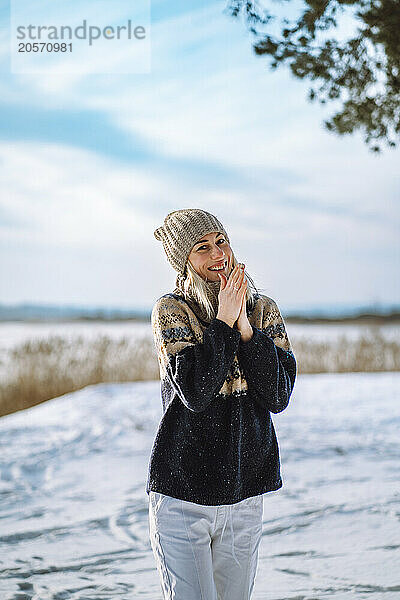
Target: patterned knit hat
{"points": [[182, 229]]}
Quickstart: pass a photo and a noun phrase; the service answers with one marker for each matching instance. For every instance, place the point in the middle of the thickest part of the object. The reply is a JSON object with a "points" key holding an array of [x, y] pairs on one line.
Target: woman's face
{"points": [[211, 250]]}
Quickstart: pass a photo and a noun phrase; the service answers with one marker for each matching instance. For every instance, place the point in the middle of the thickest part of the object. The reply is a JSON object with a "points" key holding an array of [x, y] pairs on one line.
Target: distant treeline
{"points": [[362, 318], [42, 313]]}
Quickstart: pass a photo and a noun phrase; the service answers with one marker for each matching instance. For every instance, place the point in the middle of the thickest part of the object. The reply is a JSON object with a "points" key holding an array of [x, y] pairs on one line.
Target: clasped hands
{"points": [[242, 322]]}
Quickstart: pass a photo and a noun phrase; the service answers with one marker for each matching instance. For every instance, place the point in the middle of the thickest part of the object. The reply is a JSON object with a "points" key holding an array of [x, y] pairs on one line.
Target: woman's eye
{"points": [[220, 240]]}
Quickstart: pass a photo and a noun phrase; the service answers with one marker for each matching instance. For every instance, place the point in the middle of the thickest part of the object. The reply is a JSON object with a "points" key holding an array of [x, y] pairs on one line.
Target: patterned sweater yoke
{"points": [[216, 442]]}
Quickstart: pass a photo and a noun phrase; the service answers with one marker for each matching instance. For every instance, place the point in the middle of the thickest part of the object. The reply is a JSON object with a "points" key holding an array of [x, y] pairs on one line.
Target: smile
{"points": [[219, 267]]}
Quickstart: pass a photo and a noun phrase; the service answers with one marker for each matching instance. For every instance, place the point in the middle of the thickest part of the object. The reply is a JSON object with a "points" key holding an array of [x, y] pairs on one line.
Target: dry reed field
{"points": [[371, 352], [41, 369]]}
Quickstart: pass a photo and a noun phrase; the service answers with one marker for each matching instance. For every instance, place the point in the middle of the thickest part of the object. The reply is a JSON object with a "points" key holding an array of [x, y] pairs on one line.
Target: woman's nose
{"points": [[217, 252]]}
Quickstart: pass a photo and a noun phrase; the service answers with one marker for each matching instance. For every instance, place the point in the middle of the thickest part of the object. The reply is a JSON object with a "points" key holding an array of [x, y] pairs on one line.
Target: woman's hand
{"points": [[243, 323], [230, 296]]}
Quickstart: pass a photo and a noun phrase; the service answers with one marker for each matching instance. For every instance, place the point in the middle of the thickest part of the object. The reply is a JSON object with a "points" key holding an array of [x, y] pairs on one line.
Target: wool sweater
{"points": [[216, 443]]}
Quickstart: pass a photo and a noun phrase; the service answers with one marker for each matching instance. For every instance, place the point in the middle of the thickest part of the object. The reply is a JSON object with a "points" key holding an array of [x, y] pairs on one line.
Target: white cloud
{"points": [[70, 197], [300, 189], [76, 198], [208, 98]]}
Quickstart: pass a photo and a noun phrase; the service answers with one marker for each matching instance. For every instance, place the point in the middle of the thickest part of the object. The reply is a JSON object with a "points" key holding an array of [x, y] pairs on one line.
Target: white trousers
{"points": [[205, 552]]}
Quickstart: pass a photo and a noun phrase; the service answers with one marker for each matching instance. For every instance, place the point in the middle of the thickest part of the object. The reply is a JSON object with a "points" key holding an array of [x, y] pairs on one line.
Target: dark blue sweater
{"points": [[216, 442]]}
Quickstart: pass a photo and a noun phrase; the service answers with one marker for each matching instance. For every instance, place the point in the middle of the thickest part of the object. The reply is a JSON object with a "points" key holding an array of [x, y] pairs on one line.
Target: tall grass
{"points": [[41, 369], [371, 352]]}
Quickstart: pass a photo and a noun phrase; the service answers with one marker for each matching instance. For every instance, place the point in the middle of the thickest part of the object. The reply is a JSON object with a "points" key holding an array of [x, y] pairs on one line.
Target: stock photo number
{"points": [[44, 47]]}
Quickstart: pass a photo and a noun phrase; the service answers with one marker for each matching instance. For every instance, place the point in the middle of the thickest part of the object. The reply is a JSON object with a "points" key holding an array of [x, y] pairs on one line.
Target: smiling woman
{"points": [[225, 364], [210, 254], [198, 280]]}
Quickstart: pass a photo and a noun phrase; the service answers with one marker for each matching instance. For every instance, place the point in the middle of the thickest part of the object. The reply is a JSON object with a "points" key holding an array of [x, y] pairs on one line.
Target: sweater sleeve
{"points": [[268, 361], [196, 370]]}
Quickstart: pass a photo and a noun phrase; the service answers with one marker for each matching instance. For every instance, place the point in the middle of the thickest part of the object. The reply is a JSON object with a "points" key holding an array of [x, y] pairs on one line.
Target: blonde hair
{"points": [[194, 286]]}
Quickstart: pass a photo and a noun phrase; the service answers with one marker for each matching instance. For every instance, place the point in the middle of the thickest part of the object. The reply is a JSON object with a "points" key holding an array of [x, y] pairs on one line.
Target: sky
{"points": [[90, 165]]}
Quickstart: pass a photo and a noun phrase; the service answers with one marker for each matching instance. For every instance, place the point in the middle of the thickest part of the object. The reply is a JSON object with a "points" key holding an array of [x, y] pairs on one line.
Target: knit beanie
{"points": [[182, 229]]}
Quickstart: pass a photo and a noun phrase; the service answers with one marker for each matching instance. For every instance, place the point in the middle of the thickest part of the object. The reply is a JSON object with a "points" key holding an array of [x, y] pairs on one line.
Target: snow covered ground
{"points": [[74, 510]]}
